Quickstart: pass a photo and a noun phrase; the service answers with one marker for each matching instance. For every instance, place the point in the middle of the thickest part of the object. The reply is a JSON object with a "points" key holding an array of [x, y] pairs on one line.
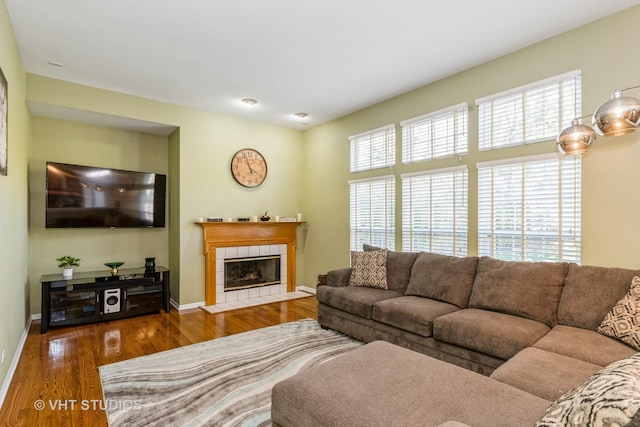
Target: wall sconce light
{"points": [[618, 116]]}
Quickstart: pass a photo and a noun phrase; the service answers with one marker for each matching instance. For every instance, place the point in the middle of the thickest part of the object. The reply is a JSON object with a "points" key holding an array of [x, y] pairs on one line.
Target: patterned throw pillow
{"points": [[611, 397], [623, 321], [369, 269]]}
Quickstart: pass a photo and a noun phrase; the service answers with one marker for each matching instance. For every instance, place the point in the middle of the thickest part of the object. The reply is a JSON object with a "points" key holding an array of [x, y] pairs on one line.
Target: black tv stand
{"points": [[96, 296]]}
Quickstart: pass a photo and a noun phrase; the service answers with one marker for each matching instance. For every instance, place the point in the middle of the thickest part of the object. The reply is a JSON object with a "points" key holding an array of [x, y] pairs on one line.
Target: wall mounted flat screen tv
{"points": [[86, 197]]}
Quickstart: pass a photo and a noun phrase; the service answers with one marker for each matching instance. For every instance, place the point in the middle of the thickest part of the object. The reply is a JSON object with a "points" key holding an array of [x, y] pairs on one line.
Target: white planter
{"points": [[67, 273]]}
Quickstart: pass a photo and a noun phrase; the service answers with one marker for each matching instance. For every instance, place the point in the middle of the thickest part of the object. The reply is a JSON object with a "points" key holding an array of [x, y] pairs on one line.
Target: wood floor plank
{"points": [[60, 368]]}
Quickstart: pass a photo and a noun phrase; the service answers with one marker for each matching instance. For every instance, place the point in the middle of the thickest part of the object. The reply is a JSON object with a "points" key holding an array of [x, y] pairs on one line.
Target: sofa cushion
{"points": [[543, 373], [369, 269], [526, 289], [339, 277], [589, 293], [583, 344], [381, 384], [442, 277], [398, 268], [413, 314], [623, 321], [496, 334], [610, 397], [355, 300]]}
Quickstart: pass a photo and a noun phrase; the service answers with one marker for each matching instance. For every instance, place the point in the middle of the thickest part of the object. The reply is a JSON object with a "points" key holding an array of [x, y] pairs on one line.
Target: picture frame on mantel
{"points": [[4, 122]]}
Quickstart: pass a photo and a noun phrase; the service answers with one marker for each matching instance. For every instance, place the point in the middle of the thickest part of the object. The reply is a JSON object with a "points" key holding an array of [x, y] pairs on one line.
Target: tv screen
{"points": [[86, 196]]}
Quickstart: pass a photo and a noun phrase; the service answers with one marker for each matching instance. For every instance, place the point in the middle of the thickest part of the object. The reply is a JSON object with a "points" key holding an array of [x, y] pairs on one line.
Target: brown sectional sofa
{"points": [[529, 327]]}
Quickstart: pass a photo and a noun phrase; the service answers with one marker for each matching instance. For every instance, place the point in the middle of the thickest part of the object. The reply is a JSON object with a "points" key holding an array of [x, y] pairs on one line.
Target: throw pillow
{"points": [[399, 266], [623, 321], [369, 269], [611, 397]]}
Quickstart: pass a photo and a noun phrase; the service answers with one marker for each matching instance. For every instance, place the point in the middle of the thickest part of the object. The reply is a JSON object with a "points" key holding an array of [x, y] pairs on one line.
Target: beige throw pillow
{"points": [[369, 269], [623, 321]]}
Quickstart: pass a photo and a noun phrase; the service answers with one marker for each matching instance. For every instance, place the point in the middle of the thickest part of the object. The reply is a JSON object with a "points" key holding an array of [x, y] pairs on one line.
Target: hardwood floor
{"points": [[61, 367]]}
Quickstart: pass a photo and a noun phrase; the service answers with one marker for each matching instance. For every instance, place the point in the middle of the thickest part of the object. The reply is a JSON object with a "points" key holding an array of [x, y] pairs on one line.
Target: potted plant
{"points": [[67, 263]]}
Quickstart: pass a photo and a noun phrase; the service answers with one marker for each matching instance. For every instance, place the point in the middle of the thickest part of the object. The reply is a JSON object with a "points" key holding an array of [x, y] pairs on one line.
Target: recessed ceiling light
{"points": [[250, 101], [301, 115]]}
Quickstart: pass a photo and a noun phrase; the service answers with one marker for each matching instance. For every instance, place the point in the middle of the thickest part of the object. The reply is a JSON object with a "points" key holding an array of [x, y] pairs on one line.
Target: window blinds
{"points": [[529, 209], [434, 211], [373, 149], [435, 135], [528, 114], [372, 212]]}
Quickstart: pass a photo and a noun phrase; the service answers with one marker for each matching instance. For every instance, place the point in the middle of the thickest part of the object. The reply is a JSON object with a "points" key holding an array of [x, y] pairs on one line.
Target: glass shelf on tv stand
{"points": [[99, 276]]}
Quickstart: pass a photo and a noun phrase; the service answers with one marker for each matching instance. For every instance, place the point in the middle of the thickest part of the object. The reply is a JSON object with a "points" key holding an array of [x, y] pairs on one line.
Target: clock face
{"points": [[248, 167]]}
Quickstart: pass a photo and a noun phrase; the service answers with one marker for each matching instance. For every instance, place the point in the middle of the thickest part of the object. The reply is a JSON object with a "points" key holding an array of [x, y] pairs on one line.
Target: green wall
{"points": [[602, 50], [66, 142], [199, 155], [14, 240]]}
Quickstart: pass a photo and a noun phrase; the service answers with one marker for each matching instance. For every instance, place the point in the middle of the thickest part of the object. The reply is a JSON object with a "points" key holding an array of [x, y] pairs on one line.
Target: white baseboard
{"points": [[181, 307], [14, 361]]}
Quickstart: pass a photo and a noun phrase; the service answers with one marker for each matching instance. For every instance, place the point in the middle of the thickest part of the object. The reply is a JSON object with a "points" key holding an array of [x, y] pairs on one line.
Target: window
{"points": [[374, 149], [434, 211], [529, 209], [372, 212], [528, 114], [439, 134]]}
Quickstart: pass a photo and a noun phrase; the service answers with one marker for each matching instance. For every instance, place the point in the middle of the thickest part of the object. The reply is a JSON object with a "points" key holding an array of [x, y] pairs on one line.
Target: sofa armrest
{"points": [[339, 277]]}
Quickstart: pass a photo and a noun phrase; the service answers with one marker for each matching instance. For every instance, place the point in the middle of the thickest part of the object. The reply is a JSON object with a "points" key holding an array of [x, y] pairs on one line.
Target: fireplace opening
{"points": [[244, 273]]}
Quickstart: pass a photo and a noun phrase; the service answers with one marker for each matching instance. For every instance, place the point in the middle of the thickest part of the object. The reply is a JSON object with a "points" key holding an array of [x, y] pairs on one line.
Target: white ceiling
{"points": [[327, 58]]}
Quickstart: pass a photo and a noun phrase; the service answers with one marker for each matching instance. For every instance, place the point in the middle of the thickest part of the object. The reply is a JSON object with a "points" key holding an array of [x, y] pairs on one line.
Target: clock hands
{"points": [[251, 171]]}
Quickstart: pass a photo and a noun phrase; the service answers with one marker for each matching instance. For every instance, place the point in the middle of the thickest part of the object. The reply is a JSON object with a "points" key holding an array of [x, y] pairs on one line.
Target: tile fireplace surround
{"points": [[245, 252], [247, 238]]}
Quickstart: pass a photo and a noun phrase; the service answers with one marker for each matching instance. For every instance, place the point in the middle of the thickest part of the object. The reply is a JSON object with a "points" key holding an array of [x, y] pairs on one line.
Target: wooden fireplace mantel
{"points": [[228, 234]]}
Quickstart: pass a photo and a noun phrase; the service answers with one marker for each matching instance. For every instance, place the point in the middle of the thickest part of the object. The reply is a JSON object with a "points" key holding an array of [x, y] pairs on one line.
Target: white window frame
{"points": [[423, 207], [439, 134], [495, 131], [374, 225], [373, 149], [525, 228]]}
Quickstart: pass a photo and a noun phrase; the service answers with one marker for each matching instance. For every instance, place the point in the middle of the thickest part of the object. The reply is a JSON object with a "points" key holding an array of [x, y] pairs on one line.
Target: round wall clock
{"points": [[248, 167]]}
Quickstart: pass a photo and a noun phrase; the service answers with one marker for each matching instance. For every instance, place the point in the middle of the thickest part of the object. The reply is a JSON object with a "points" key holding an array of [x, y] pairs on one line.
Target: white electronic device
{"points": [[112, 300]]}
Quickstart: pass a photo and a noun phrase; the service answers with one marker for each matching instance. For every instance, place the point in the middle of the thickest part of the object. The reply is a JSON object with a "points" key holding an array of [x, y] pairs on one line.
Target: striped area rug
{"points": [[222, 382]]}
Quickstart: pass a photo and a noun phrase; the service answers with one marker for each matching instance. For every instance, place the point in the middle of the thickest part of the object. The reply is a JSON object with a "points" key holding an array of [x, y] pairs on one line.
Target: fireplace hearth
{"points": [[251, 272]]}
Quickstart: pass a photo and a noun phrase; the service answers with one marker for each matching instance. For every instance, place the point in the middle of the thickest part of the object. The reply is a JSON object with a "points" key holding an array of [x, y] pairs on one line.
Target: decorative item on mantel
{"points": [[67, 263], [265, 216], [114, 266]]}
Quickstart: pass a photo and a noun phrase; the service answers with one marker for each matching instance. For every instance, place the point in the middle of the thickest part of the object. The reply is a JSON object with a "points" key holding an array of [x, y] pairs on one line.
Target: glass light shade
{"points": [[618, 116], [576, 139]]}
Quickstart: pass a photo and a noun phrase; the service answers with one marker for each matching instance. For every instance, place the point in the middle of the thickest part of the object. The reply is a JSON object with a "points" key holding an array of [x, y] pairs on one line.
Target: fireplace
{"points": [[222, 240], [251, 272]]}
